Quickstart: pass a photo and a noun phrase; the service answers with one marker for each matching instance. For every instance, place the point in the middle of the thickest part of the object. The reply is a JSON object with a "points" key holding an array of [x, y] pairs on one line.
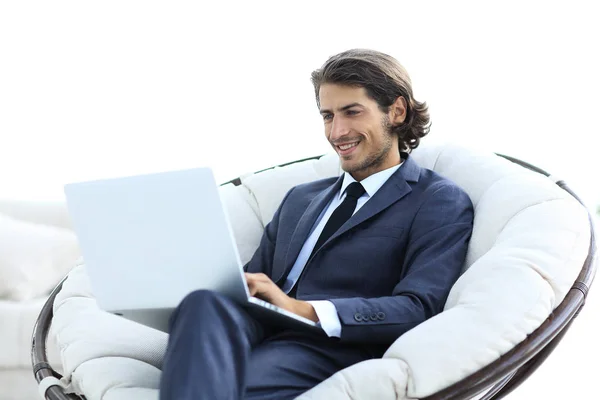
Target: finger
{"points": [[257, 289], [262, 277], [256, 286], [259, 276], [251, 286], [250, 279]]}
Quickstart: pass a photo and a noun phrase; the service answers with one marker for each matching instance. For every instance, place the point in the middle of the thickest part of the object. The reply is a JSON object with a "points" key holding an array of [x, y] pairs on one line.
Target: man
{"points": [[368, 255]]}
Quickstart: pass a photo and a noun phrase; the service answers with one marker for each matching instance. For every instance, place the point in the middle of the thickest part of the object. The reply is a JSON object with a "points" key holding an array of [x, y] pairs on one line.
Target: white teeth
{"points": [[347, 146]]}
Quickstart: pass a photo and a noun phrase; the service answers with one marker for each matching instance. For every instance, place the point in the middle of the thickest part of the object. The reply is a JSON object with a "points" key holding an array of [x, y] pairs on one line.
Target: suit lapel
{"points": [[393, 190], [308, 219], [389, 193]]}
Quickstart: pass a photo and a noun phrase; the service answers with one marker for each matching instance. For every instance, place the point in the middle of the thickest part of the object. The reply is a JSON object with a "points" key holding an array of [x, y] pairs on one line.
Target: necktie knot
{"points": [[355, 190]]}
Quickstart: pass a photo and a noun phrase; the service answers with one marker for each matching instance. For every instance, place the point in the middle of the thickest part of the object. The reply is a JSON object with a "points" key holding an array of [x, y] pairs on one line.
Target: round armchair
{"points": [[528, 270]]}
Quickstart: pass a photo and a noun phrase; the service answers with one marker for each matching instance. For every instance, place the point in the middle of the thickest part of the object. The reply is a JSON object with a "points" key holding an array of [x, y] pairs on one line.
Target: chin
{"points": [[349, 165]]}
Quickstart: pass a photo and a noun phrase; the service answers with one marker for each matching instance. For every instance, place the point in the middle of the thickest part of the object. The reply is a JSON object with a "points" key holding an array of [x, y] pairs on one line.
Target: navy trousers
{"points": [[217, 351]]}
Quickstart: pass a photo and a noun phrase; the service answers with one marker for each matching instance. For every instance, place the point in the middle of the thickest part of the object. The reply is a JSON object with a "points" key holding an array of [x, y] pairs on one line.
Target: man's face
{"points": [[358, 130]]}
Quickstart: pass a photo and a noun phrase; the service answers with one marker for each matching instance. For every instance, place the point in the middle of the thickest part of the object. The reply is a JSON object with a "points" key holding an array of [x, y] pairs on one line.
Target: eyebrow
{"points": [[325, 111]]}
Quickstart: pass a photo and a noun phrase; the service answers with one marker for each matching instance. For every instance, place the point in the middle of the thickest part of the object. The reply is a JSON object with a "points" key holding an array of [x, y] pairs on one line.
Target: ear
{"points": [[398, 111]]}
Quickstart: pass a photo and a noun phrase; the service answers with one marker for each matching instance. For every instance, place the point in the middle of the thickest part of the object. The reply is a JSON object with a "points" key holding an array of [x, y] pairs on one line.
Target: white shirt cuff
{"points": [[328, 317]]}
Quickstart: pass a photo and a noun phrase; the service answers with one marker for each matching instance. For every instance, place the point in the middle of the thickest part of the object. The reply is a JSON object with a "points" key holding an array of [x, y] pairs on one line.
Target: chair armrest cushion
{"points": [[85, 332], [384, 379]]}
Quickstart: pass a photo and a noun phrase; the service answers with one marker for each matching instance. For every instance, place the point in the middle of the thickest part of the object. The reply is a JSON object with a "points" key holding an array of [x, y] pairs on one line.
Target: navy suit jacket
{"points": [[390, 266]]}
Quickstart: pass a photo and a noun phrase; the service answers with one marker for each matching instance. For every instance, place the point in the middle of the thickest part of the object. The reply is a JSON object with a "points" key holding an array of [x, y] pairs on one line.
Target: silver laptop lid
{"points": [[149, 240]]}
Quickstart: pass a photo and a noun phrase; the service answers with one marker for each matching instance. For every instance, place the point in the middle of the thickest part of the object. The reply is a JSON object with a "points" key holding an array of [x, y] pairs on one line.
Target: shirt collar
{"points": [[371, 183]]}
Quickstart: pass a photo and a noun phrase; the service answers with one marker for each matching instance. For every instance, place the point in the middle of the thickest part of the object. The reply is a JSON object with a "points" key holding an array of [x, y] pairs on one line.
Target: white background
{"points": [[91, 90]]}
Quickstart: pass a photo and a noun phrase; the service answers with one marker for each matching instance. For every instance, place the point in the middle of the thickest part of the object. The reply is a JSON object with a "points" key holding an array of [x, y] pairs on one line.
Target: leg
{"points": [[209, 343], [288, 364]]}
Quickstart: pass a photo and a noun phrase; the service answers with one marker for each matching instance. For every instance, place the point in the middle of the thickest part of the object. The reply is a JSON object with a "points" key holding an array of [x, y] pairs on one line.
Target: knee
{"points": [[196, 306], [202, 298]]}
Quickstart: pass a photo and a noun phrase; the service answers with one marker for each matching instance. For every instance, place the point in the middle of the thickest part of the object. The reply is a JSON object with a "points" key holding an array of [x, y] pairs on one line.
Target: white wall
{"points": [[109, 88], [120, 87]]}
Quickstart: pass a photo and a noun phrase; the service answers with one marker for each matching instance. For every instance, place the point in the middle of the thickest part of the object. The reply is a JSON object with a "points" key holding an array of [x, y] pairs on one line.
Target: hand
{"points": [[261, 286]]}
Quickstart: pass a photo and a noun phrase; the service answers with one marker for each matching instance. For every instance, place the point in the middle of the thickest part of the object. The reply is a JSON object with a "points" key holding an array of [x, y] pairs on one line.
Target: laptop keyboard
{"points": [[266, 304]]}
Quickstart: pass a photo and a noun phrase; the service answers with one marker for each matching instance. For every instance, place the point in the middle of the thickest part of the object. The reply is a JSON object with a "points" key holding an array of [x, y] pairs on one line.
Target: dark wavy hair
{"points": [[385, 80]]}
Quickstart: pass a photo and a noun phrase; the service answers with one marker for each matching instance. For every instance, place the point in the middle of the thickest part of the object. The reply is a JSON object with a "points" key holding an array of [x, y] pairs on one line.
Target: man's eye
{"points": [[327, 117], [351, 112]]}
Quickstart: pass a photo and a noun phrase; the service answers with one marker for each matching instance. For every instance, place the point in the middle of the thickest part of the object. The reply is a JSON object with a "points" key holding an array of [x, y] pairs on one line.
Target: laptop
{"points": [[150, 240]]}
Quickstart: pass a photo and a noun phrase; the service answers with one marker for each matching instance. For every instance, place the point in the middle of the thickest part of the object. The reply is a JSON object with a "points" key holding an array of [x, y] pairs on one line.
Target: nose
{"points": [[338, 128]]}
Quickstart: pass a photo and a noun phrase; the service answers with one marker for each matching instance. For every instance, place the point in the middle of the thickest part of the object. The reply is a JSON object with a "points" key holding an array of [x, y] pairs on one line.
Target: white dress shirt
{"points": [[325, 310]]}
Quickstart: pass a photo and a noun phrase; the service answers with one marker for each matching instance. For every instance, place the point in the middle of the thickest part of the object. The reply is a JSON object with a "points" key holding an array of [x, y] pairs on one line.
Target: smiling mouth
{"points": [[347, 146]]}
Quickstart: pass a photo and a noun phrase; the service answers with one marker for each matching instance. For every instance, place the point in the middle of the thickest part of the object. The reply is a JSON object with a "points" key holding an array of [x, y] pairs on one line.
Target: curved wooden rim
{"points": [[39, 359], [493, 376], [499, 378]]}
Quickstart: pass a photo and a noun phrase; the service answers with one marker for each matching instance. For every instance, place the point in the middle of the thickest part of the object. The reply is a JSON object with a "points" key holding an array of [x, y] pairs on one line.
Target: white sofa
{"points": [[37, 248], [529, 243]]}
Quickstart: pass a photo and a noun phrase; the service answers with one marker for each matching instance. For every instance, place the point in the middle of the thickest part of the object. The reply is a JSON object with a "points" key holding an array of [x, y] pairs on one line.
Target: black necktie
{"points": [[341, 214]]}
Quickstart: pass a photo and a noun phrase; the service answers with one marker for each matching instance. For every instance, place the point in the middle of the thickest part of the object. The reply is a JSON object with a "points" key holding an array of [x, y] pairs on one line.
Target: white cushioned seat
{"points": [[529, 242]]}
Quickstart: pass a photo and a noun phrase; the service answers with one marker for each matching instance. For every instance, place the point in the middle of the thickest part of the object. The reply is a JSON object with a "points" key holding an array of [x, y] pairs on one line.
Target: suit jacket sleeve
{"points": [[262, 260], [436, 250]]}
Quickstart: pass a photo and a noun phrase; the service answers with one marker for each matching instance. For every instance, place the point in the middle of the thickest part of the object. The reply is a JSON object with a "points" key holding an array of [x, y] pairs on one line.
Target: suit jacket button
{"points": [[373, 317], [358, 317], [381, 316]]}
